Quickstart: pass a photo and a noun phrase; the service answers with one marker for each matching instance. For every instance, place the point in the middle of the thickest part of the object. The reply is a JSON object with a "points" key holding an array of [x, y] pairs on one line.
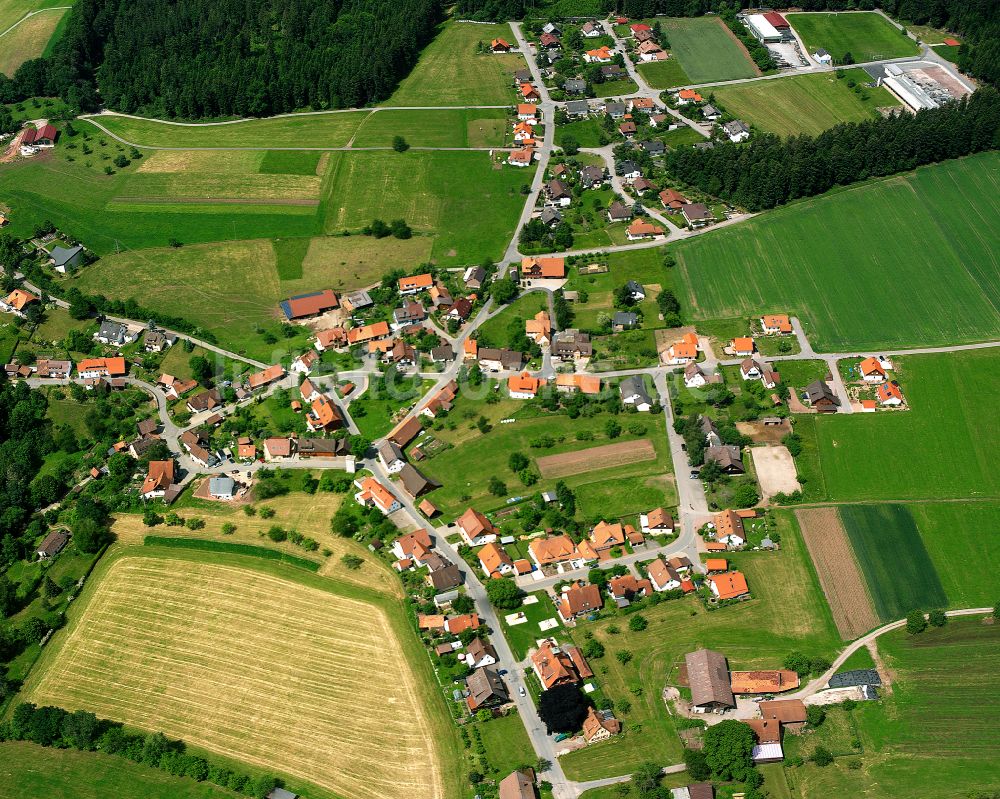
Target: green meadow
{"points": [[706, 49], [867, 36], [907, 261], [458, 127]]}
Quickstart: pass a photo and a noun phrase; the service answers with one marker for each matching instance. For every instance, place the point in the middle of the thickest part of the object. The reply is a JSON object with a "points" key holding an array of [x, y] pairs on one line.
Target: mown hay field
{"points": [[280, 674], [893, 559], [450, 71], [867, 36], [707, 50], [838, 571], [293, 130], [586, 460], [909, 261], [802, 103], [28, 40], [458, 127]]}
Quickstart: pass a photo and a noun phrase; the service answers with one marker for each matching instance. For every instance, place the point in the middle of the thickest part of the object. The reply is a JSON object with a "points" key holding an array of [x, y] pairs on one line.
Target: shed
{"points": [[708, 678]]}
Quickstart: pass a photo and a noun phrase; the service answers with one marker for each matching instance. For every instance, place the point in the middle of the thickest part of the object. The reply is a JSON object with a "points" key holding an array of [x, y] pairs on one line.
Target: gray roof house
{"points": [[654, 147], [551, 216], [615, 110], [575, 86], [727, 456], [442, 353], [612, 71], [114, 333], [624, 320], [619, 212], [591, 176], [577, 108], [636, 290], [486, 689], [708, 678], [62, 258], [821, 397], [222, 487], [633, 392]]}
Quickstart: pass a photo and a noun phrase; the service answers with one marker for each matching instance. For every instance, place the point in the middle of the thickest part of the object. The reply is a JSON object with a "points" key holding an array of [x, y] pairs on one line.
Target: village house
{"points": [[694, 377], [441, 401], [521, 158], [486, 690], [742, 347], [551, 217], [582, 383], [750, 369], [372, 492], [605, 536], [524, 386], [415, 547], [555, 665], [624, 320], [246, 450], [657, 522], [265, 377], [495, 561], [474, 277], [624, 588], [613, 72], [304, 306], [579, 600], [414, 483], [600, 725], [415, 283], [640, 229], [55, 370], [52, 545], [539, 328], [627, 129], [360, 335], [114, 334], [91, 368], [591, 30], [729, 528], [557, 192], [278, 448], [159, 478], [332, 338], [529, 93], [571, 345], [479, 654], [442, 575], [642, 185], [324, 415], [303, 364], [158, 341], [601, 55], [308, 391], [391, 456], [633, 392], [713, 565], [819, 396], [776, 324], [889, 394], [543, 268], [196, 442], [663, 576], [355, 301], [476, 529], [728, 585], [871, 371], [708, 678], [407, 430], [680, 353], [685, 96], [673, 200], [499, 46], [697, 215], [518, 785], [559, 550], [64, 259], [410, 313], [736, 130], [460, 310], [205, 401], [592, 177]]}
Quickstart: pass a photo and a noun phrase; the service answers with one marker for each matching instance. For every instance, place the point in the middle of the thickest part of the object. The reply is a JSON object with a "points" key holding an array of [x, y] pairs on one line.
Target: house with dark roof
{"points": [[62, 259], [575, 86], [624, 320], [486, 690], [819, 396], [708, 679], [633, 392], [114, 334]]}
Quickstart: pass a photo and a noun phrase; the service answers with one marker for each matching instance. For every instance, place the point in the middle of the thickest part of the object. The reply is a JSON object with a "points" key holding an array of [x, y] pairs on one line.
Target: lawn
{"points": [[707, 50], [507, 744], [522, 637], [319, 130], [867, 36], [803, 103], [933, 736], [459, 127], [465, 468], [587, 132], [788, 612], [940, 449], [374, 413], [664, 74], [30, 770], [468, 205], [28, 40], [893, 559], [496, 331], [828, 261], [168, 629], [451, 71]]}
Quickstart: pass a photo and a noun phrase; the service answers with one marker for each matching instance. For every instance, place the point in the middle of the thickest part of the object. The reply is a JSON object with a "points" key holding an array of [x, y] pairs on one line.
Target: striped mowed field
{"points": [[275, 673], [908, 261]]}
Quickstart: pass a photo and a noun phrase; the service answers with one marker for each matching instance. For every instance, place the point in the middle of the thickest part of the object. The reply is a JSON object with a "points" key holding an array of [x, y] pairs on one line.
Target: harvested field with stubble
{"points": [[605, 457], [252, 666], [839, 575]]}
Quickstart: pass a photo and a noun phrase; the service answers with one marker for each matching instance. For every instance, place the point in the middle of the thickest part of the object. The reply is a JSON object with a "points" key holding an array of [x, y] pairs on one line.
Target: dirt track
{"points": [[838, 571], [586, 460]]}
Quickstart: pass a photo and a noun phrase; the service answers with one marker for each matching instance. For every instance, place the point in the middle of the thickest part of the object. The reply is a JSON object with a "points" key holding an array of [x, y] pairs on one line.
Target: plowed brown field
{"points": [[586, 460]]}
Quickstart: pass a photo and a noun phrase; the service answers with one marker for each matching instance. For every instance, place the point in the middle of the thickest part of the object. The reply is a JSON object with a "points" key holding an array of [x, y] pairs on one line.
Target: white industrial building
{"points": [[763, 30], [912, 95]]}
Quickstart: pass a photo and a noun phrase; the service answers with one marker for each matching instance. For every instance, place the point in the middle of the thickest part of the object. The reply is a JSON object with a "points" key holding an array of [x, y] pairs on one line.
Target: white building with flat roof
{"points": [[763, 30]]}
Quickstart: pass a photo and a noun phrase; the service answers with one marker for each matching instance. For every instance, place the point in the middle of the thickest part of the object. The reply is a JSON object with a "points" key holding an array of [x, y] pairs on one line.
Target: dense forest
{"points": [[770, 171], [209, 58]]}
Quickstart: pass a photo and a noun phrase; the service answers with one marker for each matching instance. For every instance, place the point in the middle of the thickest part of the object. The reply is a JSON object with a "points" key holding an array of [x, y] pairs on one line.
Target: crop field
{"points": [[604, 457], [30, 770], [965, 557], [787, 613], [333, 129], [936, 243], [459, 127], [803, 103], [942, 447], [469, 206], [451, 71], [707, 50], [205, 652], [838, 571], [865, 35], [893, 559], [664, 74], [28, 40]]}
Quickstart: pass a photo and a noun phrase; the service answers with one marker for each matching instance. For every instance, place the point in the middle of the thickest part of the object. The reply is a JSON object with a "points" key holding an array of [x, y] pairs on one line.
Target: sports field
{"points": [[803, 103], [865, 35], [707, 50], [459, 127], [253, 665], [470, 206], [932, 736], [451, 71], [295, 130], [893, 559], [787, 612], [908, 261], [940, 449], [28, 40]]}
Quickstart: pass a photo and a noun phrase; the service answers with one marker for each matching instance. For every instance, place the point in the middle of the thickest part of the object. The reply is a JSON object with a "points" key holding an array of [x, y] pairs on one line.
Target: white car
{"points": [[521, 691]]}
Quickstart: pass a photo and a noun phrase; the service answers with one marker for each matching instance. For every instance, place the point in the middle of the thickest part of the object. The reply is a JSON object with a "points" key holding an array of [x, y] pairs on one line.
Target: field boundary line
{"points": [[31, 14]]}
